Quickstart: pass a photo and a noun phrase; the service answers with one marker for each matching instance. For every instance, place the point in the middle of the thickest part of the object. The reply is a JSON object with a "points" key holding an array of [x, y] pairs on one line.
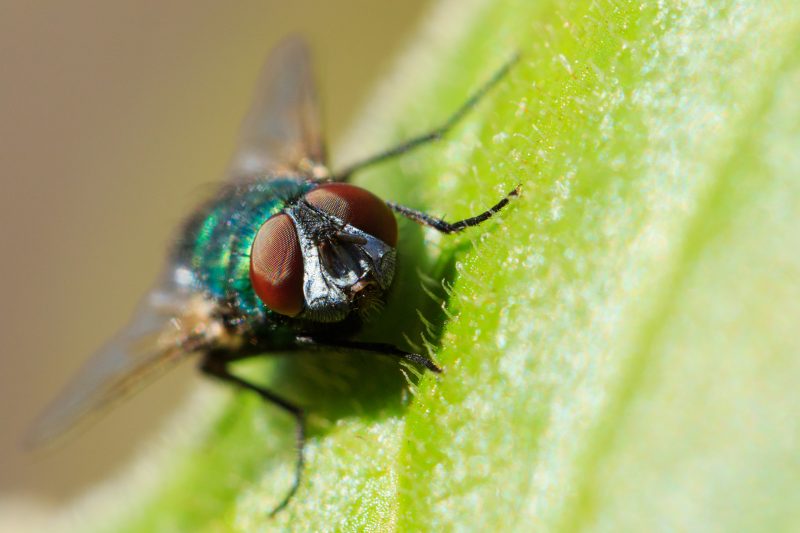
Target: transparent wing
{"points": [[166, 328], [281, 133]]}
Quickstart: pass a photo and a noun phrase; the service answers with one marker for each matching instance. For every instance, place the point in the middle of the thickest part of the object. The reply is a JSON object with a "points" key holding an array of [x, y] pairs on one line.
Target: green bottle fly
{"points": [[286, 256]]}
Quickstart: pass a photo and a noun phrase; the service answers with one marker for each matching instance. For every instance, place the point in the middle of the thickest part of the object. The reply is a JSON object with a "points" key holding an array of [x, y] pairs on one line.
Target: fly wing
{"points": [[281, 133], [167, 327]]}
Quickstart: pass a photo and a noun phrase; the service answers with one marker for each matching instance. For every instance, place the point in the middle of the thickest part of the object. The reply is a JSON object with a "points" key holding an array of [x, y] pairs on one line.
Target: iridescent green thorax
{"points": [[216, 242]]}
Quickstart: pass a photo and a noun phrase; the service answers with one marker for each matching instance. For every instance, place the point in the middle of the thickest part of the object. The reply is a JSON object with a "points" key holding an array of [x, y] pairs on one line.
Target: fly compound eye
{"points": [[276, 266], [357, 207]]}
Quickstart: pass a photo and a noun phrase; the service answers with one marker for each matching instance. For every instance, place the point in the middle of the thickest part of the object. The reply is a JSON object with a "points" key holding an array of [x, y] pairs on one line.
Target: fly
{"points": [[284, 248]]}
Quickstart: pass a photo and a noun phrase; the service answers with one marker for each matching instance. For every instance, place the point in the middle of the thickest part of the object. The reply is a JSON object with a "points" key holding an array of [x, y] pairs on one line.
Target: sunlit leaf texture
{"points": [[620, 346]]}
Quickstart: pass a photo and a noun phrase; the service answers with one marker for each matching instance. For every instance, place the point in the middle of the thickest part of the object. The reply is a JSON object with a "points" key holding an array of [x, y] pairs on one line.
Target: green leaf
{"points": [[620, 345]]}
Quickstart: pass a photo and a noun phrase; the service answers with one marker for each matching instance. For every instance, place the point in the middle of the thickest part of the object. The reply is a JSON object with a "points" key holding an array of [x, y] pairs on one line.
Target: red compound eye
{"points": [[276, 266], [358, 207]]}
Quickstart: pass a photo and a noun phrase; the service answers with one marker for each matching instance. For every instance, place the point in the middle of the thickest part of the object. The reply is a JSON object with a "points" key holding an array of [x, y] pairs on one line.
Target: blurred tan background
{"points": [[114, 120]]}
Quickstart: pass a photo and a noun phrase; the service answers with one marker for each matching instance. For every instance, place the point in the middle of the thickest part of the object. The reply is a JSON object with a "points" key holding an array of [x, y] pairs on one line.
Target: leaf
{"points": [[622, 352]]}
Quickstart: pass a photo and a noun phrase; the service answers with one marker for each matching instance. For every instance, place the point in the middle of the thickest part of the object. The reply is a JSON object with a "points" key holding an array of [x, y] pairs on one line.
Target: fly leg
{"points": [[215, 364], [433, 135], [452, 227], [378, 348]]}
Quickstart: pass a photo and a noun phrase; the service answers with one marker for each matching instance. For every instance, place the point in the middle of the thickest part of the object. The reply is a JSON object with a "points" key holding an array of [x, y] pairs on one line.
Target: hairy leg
{"points": [[433, 135]]}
